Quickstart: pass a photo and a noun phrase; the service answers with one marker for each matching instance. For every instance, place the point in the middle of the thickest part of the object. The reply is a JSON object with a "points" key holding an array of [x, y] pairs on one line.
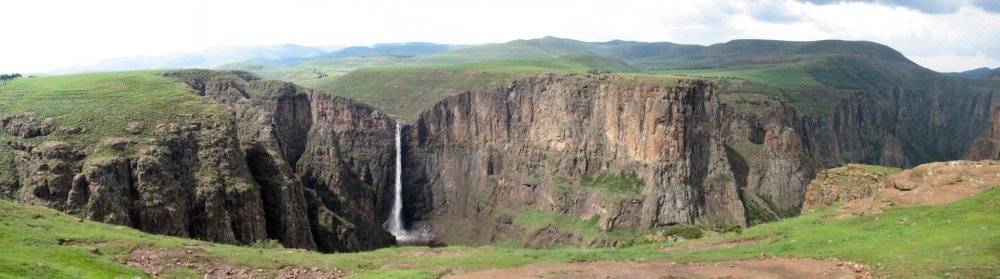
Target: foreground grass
{"points": [[960, 240]]}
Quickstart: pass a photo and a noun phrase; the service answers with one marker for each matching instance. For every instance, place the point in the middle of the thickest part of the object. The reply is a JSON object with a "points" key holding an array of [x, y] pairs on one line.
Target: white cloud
{"points": [[955, 63], [56, 33]]}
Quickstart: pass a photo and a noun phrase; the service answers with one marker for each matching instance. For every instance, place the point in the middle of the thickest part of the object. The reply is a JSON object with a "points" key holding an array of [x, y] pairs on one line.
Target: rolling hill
{"points": [[812, 76], [976, 73], [208, 58]]}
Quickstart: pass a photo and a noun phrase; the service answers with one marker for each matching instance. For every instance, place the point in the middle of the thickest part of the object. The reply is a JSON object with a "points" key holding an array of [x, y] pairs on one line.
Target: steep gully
{"points": [[314, 171]]}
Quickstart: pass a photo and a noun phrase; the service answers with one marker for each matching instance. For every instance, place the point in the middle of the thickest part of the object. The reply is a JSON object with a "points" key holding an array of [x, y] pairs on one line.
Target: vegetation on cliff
{"points": [[960, 239], [548, 149], [86, 108]]}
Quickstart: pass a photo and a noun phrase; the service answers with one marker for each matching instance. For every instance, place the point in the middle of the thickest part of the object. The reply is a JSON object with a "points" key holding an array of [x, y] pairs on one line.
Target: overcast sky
{"points": [[43, 35]]}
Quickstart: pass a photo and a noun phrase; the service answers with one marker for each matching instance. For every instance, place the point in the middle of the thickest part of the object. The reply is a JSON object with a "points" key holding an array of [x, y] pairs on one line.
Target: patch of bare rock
{"points": [[845, 183], [928, 184], [758, 268], [158, 262], [27, 125]]}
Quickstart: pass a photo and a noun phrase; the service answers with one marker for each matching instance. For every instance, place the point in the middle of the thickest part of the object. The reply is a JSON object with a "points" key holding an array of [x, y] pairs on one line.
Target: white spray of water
{"points": [[396, 221], [421, 234]]}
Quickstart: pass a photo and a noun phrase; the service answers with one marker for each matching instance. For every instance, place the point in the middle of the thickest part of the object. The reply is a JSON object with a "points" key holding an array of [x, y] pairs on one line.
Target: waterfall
{"points": [[396, 221]]}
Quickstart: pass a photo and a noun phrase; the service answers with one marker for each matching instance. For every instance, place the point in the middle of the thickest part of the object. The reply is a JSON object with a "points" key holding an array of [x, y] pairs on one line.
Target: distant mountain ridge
{"points": [[281, 55], [208, 58], [390, 49], [642, 55], [982, 73]]}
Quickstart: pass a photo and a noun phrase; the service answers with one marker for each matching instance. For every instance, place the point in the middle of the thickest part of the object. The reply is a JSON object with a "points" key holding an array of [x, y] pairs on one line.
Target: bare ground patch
{"points": [[698, 246], [759, 268], [161, 262]]}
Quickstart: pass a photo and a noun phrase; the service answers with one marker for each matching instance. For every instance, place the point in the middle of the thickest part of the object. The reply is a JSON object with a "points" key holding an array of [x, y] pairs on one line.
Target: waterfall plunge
{"points": [[421, 235], [396, 220]]}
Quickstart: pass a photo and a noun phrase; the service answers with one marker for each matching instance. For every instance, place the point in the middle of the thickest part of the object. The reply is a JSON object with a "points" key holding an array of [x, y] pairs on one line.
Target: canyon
{"points": [[307, 169], [317, 171]]}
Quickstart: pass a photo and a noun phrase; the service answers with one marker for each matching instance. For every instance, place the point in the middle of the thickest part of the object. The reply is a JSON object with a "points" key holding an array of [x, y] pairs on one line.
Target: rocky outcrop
{"points": [[26, 125], [841, 184], [190, 180], [314, 171], [302, 167], [897, 126], [324, 163], [486, 155], [935, 183], [571, 144], [892, 127]]}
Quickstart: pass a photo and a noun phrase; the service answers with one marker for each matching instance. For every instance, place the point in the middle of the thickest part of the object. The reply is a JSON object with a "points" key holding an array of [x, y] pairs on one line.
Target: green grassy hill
{"points": [[758, 52], [957, 240], [103, 103], [810, 76], [405, 91], [86, 108]]}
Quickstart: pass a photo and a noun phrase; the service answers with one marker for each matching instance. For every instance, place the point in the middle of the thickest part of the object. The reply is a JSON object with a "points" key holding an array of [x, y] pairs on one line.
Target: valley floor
{"points": [[961, 239]]}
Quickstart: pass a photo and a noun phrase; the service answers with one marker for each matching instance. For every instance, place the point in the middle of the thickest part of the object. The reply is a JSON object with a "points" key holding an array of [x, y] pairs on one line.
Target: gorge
{"points": [[444, 139], [494, 162]]}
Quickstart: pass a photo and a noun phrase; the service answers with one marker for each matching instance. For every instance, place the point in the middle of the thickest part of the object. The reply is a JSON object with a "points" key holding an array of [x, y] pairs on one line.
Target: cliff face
{"points": [[323, 163], [569, 145], [900, 128], [315, 171], [987, 145], [896, 128], [276, 162], [635, 153], [190, 180]]}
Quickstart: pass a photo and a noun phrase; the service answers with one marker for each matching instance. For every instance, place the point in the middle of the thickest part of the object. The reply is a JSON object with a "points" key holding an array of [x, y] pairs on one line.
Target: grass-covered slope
{"points": [[86, 108], [810, 76], [405, 91], [104, 103], [311, 73], [961, 239]]}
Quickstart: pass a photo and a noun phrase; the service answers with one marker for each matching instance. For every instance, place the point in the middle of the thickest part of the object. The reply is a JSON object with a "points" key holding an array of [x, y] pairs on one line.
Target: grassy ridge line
{"points": [[961, 239], [101, 105], [810, 76], [406, 91], [317, 73], [104, 103]]}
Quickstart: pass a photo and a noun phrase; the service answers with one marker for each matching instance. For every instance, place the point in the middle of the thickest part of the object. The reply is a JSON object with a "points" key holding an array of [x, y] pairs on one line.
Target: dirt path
{"points": [[159, 262], [701, 245], [767, 268]]}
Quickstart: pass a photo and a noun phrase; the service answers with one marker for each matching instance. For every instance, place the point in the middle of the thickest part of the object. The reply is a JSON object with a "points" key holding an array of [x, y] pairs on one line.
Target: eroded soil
{"points": [[164, 262], [759, 268]]}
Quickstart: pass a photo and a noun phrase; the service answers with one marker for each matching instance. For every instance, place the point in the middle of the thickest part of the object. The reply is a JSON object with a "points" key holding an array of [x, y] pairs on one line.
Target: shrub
{"points": [[734, 228], [267, 244]]}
